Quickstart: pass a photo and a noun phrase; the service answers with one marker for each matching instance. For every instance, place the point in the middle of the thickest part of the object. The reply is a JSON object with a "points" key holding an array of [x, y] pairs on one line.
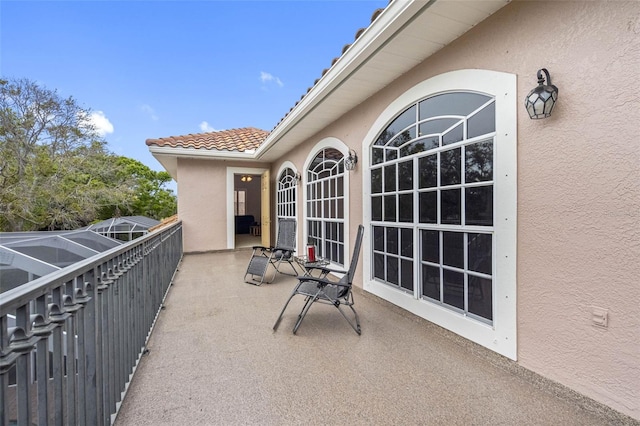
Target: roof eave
{"points": [[168, 156], [397, 16]]}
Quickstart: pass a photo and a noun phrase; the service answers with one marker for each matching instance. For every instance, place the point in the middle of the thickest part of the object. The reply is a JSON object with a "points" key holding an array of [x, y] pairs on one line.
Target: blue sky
{"points": [[152, 69]]}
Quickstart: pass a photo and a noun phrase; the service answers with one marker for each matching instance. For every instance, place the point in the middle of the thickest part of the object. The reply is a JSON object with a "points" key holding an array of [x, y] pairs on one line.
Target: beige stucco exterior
{"points": [[578, 185]]}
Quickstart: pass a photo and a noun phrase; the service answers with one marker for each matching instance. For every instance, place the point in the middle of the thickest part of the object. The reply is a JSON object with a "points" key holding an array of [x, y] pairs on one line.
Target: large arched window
{"points": [[432, 187], [325, 208], [441, 204], [286, 194]]}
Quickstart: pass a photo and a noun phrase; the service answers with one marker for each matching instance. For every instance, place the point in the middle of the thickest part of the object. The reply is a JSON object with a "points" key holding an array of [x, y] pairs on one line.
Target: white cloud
{"points": [[205, 127], [101, 123], [150, 111], [265, 77]]}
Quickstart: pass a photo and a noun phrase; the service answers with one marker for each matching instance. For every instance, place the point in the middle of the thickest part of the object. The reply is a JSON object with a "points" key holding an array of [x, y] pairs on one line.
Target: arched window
{"points": [[441, 204], [432, 187], [286, 194], [325, 207]]}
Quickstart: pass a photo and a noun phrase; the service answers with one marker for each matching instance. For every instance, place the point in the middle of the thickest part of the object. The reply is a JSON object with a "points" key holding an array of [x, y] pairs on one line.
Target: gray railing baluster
{"points": [[70, 341]]}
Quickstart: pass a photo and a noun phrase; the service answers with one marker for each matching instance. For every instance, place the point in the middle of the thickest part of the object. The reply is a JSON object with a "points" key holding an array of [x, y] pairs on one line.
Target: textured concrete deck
{"points": [[214, 360]]}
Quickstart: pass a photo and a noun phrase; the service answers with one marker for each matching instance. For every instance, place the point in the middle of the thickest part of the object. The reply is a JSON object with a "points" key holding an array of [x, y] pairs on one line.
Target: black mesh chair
{"points": [[281, 253], [331, 292]]}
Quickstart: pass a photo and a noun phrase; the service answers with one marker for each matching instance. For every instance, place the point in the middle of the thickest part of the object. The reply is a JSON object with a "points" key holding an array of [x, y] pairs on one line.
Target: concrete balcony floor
{"points": [[215, 360]]}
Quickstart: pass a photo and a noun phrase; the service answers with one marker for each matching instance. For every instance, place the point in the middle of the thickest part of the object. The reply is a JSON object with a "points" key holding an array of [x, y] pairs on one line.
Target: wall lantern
{"points": [[296, 178], [246, 178], [351, 160], [540, 101]]}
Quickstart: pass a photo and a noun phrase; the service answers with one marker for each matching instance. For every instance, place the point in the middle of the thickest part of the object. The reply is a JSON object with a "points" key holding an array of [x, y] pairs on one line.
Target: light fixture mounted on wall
{"points": [[351, 160], [540, 101], [246, 178], [296, 178]]}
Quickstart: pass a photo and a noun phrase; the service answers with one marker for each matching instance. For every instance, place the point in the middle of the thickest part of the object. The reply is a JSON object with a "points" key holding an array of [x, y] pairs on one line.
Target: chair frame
{"points": [[283, 251], [316, 289]]}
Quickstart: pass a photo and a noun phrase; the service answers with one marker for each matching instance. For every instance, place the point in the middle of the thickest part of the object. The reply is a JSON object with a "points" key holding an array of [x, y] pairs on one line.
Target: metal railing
{"points": [[71, 340]]}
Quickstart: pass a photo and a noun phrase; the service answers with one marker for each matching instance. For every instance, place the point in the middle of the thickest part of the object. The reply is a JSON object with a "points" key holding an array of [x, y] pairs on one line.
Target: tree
{"points": [[56, 171], [150, 198]]}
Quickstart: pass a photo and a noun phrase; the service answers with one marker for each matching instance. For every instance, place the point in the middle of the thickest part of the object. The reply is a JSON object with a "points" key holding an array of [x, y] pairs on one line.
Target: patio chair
{"points": [[281, 253], [321, 289]]}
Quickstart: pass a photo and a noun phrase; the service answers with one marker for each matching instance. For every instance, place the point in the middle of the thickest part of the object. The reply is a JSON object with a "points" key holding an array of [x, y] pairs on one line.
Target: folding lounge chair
{"points": [[320, 289], [281, 253]]}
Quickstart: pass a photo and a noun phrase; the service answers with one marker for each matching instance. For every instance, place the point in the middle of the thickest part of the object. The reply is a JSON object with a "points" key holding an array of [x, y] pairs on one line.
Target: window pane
{"points": [[480, 254], [390, 154], [483, 122], [454, 135], [479, 206], [405, 175], [451, 104], [453, 288], [340, 208], [377, 155], [405, 119], [376, 208], [431, 246], [479, 162], [450, 167], [378, 266], [390, 208], [378, 238], [431, 282], [392, 270], [453, 249], [392, 240], [376, 181], [406, 274], [390, 178], [419, 146], [436, 126], [406, 242], [405, 207], [340, 183], [428, 170], [403, 137], [480, 297], [428, 207], [450, 207]]}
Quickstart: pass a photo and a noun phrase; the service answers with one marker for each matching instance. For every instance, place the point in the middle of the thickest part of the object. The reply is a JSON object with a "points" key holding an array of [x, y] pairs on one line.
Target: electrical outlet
{"points": [[600, 317]]}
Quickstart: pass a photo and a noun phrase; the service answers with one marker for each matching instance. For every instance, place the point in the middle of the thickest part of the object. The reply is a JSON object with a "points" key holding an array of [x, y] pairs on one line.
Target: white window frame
{"points": [[501, 335], [335, 143], [287, 165]]}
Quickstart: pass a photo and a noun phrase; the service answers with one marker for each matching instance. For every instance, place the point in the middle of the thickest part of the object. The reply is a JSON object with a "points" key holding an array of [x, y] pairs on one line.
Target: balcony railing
{"points": [[71, 340]]}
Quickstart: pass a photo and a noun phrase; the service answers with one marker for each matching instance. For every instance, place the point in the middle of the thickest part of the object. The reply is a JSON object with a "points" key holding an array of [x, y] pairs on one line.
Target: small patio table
{"points": [[307, 267]]}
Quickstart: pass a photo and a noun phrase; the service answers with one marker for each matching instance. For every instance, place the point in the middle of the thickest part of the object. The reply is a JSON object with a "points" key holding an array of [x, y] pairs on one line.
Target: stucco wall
{"points": [[578, 184], [202, 202]]}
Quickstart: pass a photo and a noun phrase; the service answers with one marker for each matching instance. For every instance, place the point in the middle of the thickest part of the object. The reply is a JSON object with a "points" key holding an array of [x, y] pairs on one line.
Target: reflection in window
{"points": [[326, 204], [432, 187]]}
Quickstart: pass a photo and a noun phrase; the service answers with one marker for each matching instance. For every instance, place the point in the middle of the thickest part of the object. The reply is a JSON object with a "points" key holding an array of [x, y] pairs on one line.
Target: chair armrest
{"points": [[323, 281]]}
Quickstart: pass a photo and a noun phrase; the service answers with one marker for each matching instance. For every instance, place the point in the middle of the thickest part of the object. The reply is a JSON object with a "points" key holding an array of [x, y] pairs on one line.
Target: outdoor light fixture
{"points": [[351, 160], [246, 178], [540, 101], [296, 178]]}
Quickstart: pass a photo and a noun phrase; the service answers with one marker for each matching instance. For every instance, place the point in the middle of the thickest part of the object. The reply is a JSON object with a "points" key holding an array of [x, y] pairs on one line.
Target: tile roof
{"points": [[245, 139]]}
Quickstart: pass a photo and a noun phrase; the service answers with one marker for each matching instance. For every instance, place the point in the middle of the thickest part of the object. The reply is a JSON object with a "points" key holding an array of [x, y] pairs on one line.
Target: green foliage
{"points": [[55, 170]]}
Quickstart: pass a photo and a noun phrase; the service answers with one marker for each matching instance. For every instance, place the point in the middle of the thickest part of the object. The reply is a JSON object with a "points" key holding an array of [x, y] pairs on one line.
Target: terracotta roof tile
{"points": [[245, 139]]}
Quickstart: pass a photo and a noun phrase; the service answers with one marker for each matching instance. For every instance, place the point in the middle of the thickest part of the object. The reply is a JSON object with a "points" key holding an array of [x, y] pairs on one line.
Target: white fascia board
{"points": [[203, 153], [390, 21]]}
